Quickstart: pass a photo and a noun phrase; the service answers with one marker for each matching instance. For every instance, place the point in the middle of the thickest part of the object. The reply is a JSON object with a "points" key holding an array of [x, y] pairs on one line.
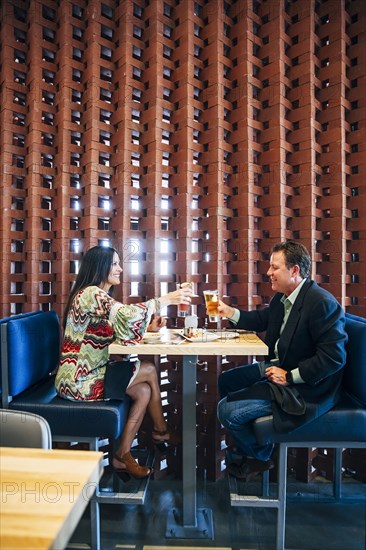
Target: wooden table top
{"points": [[44, 494], [246, 343]]}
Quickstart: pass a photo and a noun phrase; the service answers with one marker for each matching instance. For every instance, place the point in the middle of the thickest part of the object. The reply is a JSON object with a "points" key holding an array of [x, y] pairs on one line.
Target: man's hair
{"points": [[295, 254]]}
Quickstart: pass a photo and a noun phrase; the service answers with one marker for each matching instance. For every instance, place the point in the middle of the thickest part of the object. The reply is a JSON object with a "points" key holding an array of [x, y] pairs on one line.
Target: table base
{"points": [[202, 530]]}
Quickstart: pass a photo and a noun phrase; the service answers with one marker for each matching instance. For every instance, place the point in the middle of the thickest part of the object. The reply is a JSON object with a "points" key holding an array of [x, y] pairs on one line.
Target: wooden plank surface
{"points": [[242, 344], [44, 494]]}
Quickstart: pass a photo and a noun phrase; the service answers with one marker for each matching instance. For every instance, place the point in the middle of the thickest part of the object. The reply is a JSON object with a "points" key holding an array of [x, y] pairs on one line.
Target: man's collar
{"points": [[294, 294]]}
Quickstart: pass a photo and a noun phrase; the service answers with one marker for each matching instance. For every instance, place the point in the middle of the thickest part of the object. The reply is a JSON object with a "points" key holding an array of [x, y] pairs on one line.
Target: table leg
{"points": [[191, 522], [189, 448]]}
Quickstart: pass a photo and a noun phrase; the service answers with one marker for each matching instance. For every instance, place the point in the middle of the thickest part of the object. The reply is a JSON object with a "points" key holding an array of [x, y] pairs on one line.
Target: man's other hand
{"points": [[276, 375]]}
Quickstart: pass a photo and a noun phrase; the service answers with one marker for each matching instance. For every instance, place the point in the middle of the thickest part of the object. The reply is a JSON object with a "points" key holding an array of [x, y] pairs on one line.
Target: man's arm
{"points": [[256, 320], [327, 329], [329, 338]]}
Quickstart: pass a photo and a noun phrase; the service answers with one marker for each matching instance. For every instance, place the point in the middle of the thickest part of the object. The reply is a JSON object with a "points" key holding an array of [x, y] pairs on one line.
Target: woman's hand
{"points": [[225, 310], [179, 296], [156, 324]]}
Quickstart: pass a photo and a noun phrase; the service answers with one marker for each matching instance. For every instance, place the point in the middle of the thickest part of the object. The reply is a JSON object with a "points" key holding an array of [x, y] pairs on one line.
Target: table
{"points": [[192, 522], [44, 494]]}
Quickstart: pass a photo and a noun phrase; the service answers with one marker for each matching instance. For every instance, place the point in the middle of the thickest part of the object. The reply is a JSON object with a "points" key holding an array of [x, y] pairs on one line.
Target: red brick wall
{"points": [[190, 135]]}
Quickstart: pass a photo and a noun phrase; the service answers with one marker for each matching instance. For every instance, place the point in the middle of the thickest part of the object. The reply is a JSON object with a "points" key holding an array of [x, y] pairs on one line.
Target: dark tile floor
{"points": [[311, 524]]}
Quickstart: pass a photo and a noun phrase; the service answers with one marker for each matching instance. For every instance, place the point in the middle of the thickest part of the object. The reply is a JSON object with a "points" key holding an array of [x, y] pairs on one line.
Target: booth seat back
{"points": [[344, 426], [355, 318], [3, 322], [31, 343], [346, 422], [354, 377], [30, 354]]}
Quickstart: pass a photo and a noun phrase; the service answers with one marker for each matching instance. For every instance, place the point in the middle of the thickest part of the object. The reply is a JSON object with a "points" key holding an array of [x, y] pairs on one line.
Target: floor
{"points": [[311, 524]]}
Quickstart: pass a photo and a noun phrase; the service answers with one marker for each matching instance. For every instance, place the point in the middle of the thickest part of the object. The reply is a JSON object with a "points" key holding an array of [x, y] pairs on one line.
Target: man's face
{"points": [[282, 278]]}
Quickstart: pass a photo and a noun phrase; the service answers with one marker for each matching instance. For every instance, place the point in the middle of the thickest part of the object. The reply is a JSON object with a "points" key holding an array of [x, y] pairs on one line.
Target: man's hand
{"points": [[225, 310], [276, 375]]}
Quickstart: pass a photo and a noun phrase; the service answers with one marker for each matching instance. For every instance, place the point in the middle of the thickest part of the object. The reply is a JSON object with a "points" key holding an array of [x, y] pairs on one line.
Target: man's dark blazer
{"points": [[313, 341]]}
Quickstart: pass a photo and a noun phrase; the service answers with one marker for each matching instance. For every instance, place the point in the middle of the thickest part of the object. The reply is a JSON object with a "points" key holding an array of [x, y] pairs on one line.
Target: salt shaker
{"points": [[190, 325]]}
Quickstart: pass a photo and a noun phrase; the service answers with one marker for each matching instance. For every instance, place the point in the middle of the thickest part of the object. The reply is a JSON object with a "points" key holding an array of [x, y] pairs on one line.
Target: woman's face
{"points": [[115, 271]]}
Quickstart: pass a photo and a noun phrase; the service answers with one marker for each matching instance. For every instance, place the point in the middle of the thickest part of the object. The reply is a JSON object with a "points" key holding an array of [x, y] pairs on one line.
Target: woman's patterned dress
{"points": [[94, 321]]}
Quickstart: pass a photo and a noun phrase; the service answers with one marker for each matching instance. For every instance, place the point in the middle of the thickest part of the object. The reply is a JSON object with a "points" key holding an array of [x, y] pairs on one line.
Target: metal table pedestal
{"points": [[190, 522]]}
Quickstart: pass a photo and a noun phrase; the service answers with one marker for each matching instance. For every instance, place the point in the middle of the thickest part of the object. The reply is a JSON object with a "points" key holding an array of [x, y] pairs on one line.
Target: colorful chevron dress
{"points": [[95, 319]]}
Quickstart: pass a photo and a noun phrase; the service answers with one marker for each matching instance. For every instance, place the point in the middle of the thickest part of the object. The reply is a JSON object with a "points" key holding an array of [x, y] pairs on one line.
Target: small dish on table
{"points": [[200, 335]]}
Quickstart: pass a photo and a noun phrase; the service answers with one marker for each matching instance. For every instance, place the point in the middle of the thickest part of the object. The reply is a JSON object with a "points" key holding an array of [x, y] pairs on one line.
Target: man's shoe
{"points": [[231, 456], [249, 468]]}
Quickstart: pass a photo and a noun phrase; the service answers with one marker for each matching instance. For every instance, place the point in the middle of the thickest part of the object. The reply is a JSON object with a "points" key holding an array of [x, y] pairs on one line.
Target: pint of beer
{"points": [[183, 309], [212, 302]]}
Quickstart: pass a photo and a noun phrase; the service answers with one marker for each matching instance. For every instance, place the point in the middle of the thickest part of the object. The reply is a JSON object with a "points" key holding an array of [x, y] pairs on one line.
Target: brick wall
{"points": [[190, 135]]}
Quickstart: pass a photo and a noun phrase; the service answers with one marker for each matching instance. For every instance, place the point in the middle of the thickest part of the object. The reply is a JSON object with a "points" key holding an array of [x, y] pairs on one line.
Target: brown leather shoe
{"points": [[131, 468], [168, 438], [249, 468]]}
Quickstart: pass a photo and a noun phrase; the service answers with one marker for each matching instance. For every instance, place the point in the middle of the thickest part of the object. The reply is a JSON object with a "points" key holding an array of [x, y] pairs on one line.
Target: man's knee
{"points": [[221, 414]]}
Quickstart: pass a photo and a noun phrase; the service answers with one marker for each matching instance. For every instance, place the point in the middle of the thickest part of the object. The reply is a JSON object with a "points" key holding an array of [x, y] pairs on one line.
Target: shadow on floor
{"points": [[311, 524]]}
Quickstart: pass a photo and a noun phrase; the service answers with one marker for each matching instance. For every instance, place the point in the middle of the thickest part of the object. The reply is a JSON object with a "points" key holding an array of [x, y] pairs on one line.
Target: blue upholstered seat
{"points": [[33, 349], [2, 322], [342, 427], [30, 350], [343, 422], [73, 419], [347, 420]]}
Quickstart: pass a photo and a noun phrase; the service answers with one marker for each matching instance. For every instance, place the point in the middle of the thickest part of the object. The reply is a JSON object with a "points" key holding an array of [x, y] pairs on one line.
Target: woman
{"points": [[93, 319]]}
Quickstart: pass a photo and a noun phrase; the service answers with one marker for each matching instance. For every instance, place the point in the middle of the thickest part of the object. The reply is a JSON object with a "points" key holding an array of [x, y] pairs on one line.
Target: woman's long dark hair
{"points": [[94, 269]]}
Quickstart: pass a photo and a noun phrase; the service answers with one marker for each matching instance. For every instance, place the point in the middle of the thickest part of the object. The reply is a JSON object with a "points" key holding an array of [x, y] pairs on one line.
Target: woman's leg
{"points": [[140, 395], [144, 391], [147, 374]]}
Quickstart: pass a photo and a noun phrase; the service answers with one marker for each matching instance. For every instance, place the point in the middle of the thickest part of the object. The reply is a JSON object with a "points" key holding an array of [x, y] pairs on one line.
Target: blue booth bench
{"points": [[30, 351], [343, 427]]}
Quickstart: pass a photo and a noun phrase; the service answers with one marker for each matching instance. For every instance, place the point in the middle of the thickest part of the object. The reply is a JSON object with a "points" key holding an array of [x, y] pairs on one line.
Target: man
{"points": [[301, 377]]}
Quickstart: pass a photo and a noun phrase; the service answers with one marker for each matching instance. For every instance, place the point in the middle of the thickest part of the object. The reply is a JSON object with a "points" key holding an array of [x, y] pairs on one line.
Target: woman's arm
{"points": [[130, 322]]}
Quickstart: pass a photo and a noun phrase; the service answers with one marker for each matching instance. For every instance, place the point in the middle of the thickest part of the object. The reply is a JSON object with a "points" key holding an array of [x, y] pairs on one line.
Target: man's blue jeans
{"points": [[237, 416]]}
